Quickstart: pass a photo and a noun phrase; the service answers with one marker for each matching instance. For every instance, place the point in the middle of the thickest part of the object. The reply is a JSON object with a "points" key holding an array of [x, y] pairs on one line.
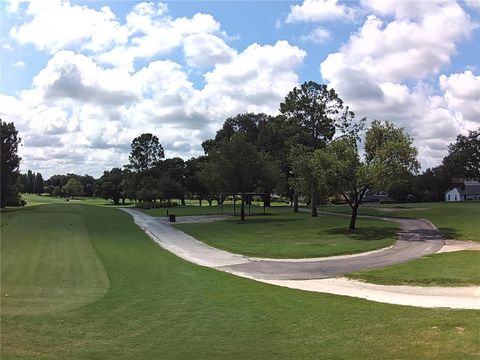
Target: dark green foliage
{"points": [[146, 152], [72, 188], [463, 159], [10, 162], [111, 185], [38, 185]]}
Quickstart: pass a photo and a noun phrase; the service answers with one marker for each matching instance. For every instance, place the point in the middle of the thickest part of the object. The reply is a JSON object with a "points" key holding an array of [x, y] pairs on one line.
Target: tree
{"points": [[305, 180], [389, 155], [193, 184], [463, 159], [239, 166], [111, 185], [38, 185], [316, 112], [30, 181], [146, 152], [10, 162], [72, 188]]}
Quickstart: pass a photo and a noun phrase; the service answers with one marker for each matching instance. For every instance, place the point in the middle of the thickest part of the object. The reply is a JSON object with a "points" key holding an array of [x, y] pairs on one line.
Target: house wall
{"points": [[453, 195], [472, 197]]}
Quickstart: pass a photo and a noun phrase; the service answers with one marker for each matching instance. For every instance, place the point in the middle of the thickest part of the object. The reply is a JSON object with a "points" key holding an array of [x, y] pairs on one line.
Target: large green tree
{"points": [[111, 185], [38, 185], [72, 188], [267, 133], [10, 162], [239, 166], [389, 155], [463, 159], [146, 152], [315, 113]]}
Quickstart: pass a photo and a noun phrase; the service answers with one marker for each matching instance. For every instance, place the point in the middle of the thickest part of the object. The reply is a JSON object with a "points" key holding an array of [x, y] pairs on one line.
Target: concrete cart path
{"points": [[416, 238]]}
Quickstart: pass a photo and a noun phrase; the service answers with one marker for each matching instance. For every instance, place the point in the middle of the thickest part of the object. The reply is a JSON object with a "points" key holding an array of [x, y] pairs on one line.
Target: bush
{"points": [[156, 205], [386, 201]]}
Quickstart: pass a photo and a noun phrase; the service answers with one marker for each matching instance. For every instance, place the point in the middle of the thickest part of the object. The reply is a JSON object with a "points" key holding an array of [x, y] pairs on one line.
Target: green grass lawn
{"points": [[188, 210], [159, 306], [33, 200], [446, 269], [284, 234], [457, 220]]}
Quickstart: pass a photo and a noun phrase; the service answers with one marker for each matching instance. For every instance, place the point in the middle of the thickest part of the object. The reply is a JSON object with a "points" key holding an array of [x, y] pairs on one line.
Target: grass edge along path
{"points": [[460, 268]]}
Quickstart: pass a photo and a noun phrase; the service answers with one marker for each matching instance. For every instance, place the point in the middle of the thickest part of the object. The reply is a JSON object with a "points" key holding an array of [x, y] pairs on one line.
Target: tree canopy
{"points": [[146, 152], [10, 162]]}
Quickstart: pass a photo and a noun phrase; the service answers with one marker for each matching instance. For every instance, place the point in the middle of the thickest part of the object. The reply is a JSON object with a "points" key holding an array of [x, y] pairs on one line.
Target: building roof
{"points": [[469, 189]]}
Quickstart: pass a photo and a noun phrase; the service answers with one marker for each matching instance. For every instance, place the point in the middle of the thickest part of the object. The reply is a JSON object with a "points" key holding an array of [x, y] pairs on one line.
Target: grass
{"points": [[34, 200], [189, 210], [159, 306], [446, 269], [54, 270], [457, 220], [284, 234]]}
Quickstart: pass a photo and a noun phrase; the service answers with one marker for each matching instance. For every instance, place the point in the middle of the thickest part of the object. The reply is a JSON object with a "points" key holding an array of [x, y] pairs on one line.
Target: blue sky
{"points": [[81, 79]]}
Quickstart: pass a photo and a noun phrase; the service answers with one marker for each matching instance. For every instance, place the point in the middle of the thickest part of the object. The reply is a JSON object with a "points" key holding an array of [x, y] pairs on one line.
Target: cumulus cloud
{"points": [[205, 50], [372, 70], [56, 25], [462, 94], [319, 10]]}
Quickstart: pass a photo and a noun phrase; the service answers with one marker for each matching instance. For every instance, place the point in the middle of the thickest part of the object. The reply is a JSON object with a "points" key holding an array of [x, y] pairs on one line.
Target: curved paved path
{"points": [[417, 238]]}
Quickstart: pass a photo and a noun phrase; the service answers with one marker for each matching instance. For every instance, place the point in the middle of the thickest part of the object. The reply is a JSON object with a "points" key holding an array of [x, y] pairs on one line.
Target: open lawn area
{"points": [[447, 269], [284, 234], [103, 290], [457, 220], [189, 210]]}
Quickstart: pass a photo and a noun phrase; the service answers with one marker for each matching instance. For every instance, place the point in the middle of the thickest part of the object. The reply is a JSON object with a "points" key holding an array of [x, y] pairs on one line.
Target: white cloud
{"points": [[19, 64], [371, 70], [462, 93], [255, 80], [205, 50], [57, 25], [318, 35], [320, 10]]}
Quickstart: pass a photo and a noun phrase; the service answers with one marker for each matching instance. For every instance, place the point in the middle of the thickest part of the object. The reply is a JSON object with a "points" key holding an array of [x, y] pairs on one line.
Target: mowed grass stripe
{"points": [[48, 264], [161, 307]]}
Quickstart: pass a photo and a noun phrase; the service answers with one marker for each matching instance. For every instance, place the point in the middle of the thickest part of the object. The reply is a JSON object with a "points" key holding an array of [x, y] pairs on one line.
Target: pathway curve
{"points": [[417, 238]]}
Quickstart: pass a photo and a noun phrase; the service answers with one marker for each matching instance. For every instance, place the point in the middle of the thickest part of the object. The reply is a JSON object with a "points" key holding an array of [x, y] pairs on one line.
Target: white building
{"points": [[470, 190]]}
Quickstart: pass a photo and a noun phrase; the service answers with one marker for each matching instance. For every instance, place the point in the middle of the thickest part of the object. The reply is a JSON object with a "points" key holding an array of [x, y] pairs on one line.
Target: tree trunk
{"points": [[313, 201], [267, 200], [353, 219], [295, 203], [183, 201], [210, 200], [242, 208]]}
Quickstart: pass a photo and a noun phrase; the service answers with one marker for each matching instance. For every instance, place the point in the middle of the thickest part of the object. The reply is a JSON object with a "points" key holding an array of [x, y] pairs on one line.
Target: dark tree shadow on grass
{"points": [[364, 233], [450, 233]]}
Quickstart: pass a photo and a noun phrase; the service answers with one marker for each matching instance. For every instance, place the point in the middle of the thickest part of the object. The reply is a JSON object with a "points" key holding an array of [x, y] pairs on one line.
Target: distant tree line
{"points": [[315, 148]]}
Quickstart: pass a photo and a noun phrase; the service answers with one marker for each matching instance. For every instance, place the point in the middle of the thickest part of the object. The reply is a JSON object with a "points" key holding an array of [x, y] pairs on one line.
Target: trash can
{"points": [[172, 218]]}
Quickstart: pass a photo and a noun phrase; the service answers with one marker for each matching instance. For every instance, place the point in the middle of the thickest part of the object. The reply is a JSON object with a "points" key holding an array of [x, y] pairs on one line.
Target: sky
{"points": [[81, 79]]}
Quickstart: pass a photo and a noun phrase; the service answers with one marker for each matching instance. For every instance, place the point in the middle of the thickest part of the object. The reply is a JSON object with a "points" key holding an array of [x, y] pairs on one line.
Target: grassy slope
{"points": [[457, 220], [447, 269], [287, 235], [159, 306], [48, 263]]}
